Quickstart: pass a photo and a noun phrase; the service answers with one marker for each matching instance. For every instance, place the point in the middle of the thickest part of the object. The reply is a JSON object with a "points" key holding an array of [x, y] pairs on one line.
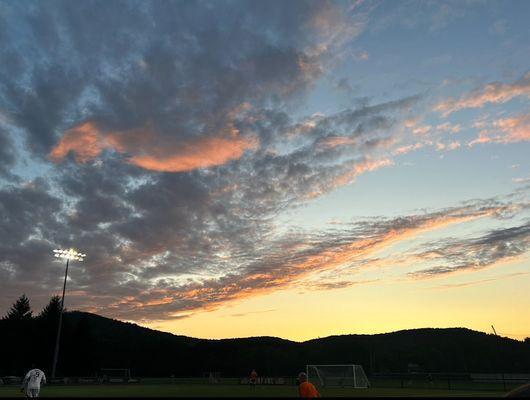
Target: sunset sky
{"points": [[269, 168]]}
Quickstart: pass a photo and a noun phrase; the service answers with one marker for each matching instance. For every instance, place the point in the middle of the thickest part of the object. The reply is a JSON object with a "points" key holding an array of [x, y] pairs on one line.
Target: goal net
{"points": [[115, 375], [338, 375]]}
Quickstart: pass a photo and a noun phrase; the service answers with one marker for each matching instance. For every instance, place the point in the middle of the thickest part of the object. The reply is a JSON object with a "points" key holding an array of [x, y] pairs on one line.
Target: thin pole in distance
{"points": [[500, 353]]}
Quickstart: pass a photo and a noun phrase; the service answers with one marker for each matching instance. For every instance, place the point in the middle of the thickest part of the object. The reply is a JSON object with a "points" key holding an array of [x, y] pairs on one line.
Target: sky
{"points": [[295, 169]]}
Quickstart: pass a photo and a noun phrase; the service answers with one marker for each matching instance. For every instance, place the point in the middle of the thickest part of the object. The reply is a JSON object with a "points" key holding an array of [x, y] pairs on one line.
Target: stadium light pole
{"points": [[500, 353], [70, 254]]}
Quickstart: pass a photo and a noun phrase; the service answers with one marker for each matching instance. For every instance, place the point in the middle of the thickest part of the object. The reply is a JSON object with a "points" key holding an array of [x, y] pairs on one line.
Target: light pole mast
{"points": [[499, 352], [69, 255]]}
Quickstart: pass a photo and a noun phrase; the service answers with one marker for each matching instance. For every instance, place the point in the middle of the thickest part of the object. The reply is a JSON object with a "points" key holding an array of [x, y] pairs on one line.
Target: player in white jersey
{"points": [[32, 381]]}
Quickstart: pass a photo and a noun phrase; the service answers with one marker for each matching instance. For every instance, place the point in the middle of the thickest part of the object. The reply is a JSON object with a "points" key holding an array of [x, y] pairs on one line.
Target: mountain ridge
{"points": [[90, 342], [291, 340]]}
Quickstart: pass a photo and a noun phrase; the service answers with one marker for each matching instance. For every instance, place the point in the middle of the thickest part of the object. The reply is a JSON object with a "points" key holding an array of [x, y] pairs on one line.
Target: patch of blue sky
{"points": [[428, 177], [26, 166], [428, 182], [404, 59], [82, 108]]}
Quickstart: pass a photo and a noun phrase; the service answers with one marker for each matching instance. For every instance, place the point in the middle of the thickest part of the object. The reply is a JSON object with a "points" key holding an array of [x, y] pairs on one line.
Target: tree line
{"points": [[90, 342], [21, 310], [26, 338]]}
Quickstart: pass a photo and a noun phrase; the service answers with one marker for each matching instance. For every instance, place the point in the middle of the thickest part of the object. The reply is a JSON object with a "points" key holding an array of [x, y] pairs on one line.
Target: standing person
{"points": [[32, 381], [431, 380], [306, 389], [253, 377]]}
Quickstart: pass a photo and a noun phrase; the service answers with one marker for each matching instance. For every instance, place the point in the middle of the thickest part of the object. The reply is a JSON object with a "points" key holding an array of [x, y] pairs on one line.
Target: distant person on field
{"points": [[306, 389], [431, 380], [253, 377], [32, 381]]}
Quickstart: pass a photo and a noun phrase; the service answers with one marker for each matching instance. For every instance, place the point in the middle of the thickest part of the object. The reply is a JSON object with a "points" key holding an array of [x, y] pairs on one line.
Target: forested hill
{"points": [[90, 342]]}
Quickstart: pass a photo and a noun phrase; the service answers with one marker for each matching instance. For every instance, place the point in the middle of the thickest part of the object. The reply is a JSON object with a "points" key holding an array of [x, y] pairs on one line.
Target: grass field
{"points": [[169, 390]]}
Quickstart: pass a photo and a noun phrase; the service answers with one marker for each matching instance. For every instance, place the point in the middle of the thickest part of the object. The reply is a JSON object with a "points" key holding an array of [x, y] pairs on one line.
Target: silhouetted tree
{"points": [[20, 310], [52, 309]]}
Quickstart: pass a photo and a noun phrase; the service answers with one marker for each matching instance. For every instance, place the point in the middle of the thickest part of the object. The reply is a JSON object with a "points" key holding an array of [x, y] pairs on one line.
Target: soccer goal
{"points": [[348, 375], [115, 375]]}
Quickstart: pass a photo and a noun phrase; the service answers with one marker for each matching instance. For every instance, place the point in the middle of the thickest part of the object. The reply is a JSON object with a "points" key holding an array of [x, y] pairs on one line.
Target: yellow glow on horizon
{"points": [[378, 307]]}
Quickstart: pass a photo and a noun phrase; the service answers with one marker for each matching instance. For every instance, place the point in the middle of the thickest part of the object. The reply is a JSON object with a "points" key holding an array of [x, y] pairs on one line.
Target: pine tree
{"points": [[52, 309], [20, 310]]}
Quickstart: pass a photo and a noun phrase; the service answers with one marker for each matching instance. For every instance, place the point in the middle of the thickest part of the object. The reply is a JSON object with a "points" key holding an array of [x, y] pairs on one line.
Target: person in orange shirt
{"points": [[306, 389]]}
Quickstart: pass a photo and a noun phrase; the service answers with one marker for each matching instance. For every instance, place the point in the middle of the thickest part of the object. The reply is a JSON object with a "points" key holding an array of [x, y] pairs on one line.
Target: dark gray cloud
{"points": [[178, 66], [29, 225], [337, 284], [476, 253], [7, 156], [180, 71], [287, 261]]}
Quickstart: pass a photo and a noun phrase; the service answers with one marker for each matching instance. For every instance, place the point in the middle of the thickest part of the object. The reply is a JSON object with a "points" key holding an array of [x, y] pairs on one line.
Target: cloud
{"points": [[183, 78], [292, 259], [428, 135], [495, 92], [496, 246], [448, 146], [479, 282], [150, 151], [336, 284], [172, 138], [521, 180], [408, 148], [86, 142], [7, 156], [422, 130], [448, 127], [219, 222], [252, 312], [359, 169], [504, 130], [333, 141]]}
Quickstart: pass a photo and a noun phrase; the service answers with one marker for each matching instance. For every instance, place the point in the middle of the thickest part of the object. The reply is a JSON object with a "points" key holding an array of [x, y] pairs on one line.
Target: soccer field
{"points": [[230, 391]]}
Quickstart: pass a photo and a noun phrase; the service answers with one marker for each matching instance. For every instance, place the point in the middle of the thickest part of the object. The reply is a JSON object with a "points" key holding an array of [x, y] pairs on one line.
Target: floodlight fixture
{"points": [[70, 254]]}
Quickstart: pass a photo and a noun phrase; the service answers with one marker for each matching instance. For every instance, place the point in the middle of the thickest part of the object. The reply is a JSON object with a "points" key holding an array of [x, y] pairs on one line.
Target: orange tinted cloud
{"points": [[478, 282], [282, 270], [407, 149], [505, 130], [335, 141], [86, 142], [360, 169], [448, 127], [422, 130], [447, 146], [349, 175], [152, 151], [494, 92], [194, 154]]}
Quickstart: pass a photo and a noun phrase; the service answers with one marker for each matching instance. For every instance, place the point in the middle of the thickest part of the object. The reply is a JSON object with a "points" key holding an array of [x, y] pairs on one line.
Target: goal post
{"points": [[115, 375], [343, 375]]}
